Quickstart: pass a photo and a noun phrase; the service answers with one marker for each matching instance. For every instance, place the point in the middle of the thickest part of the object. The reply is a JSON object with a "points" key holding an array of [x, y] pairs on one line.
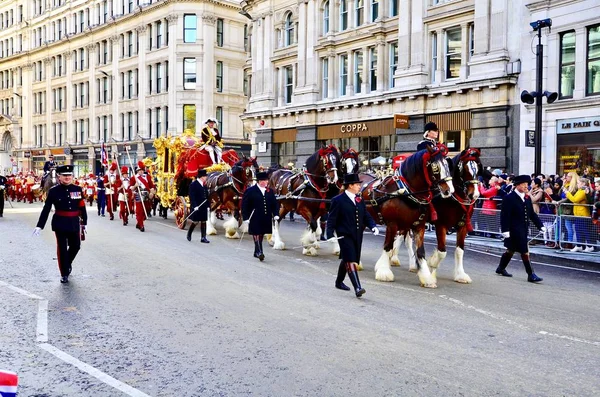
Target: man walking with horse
{"points": [[199, 203], [259, 209], [348, 217], [517, 211]]}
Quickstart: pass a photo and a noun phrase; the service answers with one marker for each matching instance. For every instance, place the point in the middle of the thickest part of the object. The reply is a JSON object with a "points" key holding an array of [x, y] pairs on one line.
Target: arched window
{"points": [[289, 30], [326, 17]]}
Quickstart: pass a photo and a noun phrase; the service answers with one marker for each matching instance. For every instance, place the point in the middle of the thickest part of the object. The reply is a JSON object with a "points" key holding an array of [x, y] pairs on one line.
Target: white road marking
{"points": [[538, 263], [20, 291], [96, 373], [42, 321], [572, 339]]}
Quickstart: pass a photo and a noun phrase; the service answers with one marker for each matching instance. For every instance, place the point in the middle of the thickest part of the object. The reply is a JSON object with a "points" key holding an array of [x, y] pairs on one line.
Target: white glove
{"points": [[375, 231], [84, 228], [506, 234], [544, 229], [196, 208], [247, 221], [36, 231], [276, 217], [1, 187]]}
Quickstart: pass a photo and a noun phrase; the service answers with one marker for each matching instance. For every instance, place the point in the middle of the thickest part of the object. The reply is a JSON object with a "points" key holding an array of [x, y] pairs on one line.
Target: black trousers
{"points": [[2, 202], [67, 247]]}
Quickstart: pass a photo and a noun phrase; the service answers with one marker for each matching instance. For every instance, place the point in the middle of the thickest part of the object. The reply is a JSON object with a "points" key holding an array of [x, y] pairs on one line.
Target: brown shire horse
{"points": [[306, 193], [403, 202], [225, 192], [457, 212]]}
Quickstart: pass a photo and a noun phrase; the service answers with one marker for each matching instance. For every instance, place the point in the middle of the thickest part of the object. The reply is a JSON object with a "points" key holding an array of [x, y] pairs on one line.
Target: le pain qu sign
{"points": [[575, 126]]}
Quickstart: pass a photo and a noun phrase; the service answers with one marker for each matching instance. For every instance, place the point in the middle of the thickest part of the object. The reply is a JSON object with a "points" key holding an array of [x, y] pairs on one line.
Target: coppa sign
{"points": [[356, 127], [8, 384]]}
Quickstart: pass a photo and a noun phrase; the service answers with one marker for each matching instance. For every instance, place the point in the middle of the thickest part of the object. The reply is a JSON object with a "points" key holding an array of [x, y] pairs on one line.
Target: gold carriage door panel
{"points": [[356, 129]]}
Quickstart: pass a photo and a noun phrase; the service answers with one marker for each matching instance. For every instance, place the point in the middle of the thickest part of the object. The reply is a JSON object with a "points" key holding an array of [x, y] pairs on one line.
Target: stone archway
{"points": [[6, 146]]}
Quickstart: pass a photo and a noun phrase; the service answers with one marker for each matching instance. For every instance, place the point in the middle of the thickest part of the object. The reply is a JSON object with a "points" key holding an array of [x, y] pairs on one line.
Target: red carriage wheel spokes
{"points": [[181, 210]]}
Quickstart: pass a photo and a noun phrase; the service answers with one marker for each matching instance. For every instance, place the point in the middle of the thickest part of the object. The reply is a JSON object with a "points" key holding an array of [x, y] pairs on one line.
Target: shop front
{"points": [[285, 141], [373, 138], [81, 163], [578, 145], [455, 130]]}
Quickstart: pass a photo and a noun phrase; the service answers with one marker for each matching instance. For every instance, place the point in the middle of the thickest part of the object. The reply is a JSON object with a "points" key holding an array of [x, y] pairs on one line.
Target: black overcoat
{"points": [[514, 218], [265, 207], [348, 220], [69, 207], [198, 195]]}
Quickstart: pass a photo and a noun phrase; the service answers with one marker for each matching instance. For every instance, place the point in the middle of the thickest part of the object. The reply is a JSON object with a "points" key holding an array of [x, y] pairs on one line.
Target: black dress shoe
{"points": [[533, 278], [360, 292], [261, 257], [142, 229], [102, 215], [204, 240], [503, 273], [137, 226], [342, 286], [64, 279]]}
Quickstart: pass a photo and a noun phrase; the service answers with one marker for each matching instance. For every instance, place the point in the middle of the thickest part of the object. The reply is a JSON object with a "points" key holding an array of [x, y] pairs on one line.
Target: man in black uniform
{"points": [[259, 208], [515, 215], [100, 194], [199, 204], [350, 231], [69, 219], [3, 194], [429, 137]]}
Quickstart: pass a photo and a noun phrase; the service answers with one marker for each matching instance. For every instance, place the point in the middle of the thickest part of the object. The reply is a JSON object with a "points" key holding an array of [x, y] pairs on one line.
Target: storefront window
{"points": [[578, 152], [455, 141], [286, 153]]}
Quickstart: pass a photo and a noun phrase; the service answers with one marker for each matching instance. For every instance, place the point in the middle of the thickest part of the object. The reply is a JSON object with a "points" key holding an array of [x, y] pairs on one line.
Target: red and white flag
{"points": [[103, 156], [8, 384]]}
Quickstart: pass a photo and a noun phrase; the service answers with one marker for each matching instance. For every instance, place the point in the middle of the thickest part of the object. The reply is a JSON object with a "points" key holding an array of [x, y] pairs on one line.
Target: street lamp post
{"points": [[538, 94]]}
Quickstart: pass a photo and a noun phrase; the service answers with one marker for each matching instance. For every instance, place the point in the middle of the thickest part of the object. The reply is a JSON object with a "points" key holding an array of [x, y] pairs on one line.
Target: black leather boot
{"points": [[190, 231], [203, 232], [353, 276], [504, 261], [339, 281], [256, 247], [261, 254], [531, 276]]}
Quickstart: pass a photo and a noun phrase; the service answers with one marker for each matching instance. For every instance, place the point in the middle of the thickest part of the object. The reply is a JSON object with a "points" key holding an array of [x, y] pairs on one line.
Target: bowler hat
{"points": [[431, 126], [351, 178], [201, 173], [262, 176], [521, 179], [64, 170]]}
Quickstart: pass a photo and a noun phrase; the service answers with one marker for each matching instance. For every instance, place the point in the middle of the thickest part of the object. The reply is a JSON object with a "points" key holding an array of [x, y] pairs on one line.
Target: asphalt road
{"points": [[152, 314]]}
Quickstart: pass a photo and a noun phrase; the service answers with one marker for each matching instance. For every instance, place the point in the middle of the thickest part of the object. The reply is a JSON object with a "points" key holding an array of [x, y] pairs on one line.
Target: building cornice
{"points": [[540, 5]]}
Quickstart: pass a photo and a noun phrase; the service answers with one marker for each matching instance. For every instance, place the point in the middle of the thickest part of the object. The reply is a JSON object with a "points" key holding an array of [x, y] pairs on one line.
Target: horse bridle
{"points": [[435, 168]]}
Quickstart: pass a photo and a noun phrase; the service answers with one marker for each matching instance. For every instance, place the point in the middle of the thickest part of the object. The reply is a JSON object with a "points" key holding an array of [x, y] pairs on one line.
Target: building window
{"points": [[373, 69], [159, 78], [149, 79], [453, 53], [105, 89], [326, 17], [434, 57], [246, 82], [246, 39], [158, 122], [219, 76], [129, 44], [593, 60], [374, 10], [167, 118], [567, 65], [359, 12], [130, 84], [343, 15], [189, 73], [220, 23], [219, 117], [394, 8], [325, 79], [149, 114], [393, 62], [189, 118], [343, 74], [289, 30], [289, 83], [105, 128], [358, 71], [129, 126], [158, 34], [471, 40], [189, 28]]}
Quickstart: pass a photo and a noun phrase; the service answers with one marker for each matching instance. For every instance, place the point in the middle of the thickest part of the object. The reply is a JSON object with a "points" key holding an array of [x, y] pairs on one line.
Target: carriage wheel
{"points": [[181, 211]]}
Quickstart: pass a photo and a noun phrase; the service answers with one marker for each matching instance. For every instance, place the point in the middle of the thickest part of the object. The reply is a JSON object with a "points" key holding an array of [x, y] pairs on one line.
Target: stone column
{"points": [[440, 69], [281, 93], [92, 94], [464, 56], [268, 69], [70, 133], [115, 87], [382, 61], [50, 138], [258, 57], [210, 68], [302, 45], [26, 123], [350, 83], [142, 78], [331, 75], [365, 65]]}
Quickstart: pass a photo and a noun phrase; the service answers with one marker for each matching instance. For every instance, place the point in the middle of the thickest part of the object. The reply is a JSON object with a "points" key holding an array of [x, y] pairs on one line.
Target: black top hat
{"points": [[521, 179], [201, 173], [262, 176], [351, 178], [64, 170], [431, 126]]}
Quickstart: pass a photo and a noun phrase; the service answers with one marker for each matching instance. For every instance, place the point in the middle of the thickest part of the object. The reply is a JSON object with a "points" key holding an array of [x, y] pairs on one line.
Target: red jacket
{"points": [[489, 205]]}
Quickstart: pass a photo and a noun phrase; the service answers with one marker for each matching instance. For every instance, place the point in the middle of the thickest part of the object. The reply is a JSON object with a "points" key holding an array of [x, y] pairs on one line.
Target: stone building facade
{"points": [[76, 74], [337, 71]]}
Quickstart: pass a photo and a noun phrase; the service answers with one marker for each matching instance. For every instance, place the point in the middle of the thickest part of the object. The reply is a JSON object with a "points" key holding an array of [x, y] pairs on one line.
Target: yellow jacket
{"points": [[579, 198]]}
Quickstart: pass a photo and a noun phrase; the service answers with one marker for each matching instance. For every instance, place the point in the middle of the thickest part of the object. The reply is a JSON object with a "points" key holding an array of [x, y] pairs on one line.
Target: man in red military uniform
{"points": [[112, 182], [141, 185], [125, 196], [29, 182], [90, 189]]}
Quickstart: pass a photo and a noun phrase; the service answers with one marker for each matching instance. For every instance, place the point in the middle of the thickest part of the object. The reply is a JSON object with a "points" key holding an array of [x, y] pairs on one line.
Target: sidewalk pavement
{"points": [[538, 252]]}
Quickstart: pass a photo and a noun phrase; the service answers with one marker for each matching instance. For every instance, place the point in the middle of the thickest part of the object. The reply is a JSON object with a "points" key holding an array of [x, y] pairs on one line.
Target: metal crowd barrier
{"points": [[564, 230]]}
